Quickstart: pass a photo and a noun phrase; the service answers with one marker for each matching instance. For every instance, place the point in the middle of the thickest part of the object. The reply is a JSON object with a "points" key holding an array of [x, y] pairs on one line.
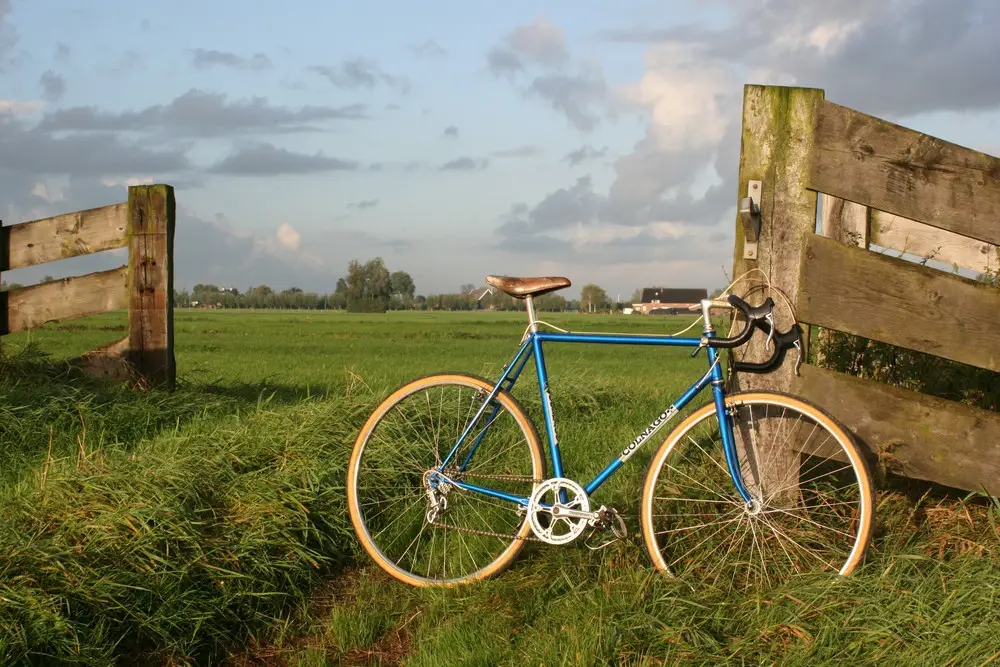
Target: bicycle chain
{"points": [[490, 533], [504, 478]]}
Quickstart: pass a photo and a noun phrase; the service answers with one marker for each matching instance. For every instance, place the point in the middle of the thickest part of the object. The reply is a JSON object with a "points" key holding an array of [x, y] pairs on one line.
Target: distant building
{"points": [[668, 301]]}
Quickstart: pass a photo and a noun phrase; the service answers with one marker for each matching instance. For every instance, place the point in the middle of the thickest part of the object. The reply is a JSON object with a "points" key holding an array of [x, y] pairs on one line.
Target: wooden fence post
{"points": [[778, 134], [151, 214], [776, 149]]}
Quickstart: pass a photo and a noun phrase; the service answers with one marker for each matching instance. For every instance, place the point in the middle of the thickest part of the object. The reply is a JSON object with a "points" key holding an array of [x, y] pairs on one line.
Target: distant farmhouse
{"points": [[668, 301]]}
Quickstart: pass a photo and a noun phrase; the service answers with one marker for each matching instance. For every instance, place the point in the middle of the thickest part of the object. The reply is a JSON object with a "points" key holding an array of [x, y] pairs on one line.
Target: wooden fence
{"points": [[145, 225], [879, 184]]}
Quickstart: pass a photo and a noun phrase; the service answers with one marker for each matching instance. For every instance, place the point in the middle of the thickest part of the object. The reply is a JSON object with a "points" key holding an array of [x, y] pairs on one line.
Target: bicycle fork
{"points": [[726, 428]]}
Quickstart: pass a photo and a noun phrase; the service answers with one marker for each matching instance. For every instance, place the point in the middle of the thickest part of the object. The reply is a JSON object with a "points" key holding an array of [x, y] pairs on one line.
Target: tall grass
{"points": [[927, 595], [176, 547], [209, 525]]}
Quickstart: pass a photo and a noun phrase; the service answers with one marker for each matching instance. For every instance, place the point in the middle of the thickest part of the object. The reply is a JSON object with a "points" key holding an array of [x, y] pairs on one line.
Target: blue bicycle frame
{"points": [[532, 347]]}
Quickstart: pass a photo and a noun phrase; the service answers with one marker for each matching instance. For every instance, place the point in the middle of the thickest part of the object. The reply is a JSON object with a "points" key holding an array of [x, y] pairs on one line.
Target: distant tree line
{"points": [[368, 287]]}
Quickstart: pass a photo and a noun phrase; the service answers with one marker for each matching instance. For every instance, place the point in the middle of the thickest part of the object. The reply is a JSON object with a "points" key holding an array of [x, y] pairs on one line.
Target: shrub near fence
{"points": [[882, 184], [145, 226]]}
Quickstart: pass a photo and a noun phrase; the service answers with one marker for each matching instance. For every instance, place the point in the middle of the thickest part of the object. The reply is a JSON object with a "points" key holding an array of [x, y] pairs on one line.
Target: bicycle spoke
{"points": [[806, 515], [471, 530]]}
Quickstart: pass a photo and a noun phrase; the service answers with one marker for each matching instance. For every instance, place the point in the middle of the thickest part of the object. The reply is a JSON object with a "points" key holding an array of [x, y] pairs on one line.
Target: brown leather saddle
{"points": [[520, 288]]}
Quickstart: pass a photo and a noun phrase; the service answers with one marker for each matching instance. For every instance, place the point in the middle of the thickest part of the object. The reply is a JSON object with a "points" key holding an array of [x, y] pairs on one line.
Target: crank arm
{"points": [[559, 511]]}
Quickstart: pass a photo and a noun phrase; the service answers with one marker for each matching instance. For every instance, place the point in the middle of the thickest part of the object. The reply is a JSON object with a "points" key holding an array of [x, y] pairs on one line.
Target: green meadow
{"points": [[209, 525]]}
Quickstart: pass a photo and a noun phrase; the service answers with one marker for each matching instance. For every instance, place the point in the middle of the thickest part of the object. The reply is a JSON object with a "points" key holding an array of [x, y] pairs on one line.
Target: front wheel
{"points": [[427, 532], [812, 500]]}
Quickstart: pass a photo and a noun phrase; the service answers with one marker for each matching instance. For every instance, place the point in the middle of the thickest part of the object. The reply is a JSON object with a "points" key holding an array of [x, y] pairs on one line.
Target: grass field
{"points": [[210, 525]]}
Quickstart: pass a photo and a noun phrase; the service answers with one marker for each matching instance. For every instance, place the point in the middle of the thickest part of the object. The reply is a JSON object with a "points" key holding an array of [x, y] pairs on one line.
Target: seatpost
{"points": [[532, 321]]}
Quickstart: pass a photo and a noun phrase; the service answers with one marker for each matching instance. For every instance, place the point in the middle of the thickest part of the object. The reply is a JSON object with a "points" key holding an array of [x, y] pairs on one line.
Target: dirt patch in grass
{"points": [[356, 618], [389, 650]]}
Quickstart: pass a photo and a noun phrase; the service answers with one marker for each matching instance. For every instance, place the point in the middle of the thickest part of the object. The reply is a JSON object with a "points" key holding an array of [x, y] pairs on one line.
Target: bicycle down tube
{"points": [[532, 347]]}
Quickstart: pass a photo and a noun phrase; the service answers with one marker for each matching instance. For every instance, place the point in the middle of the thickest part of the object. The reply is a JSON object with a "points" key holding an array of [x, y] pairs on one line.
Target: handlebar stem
{"points": [[706, 314]]}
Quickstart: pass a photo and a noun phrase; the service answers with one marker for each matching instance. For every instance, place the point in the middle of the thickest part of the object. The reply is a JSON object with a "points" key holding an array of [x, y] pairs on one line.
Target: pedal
{"points": [[607, 520]]}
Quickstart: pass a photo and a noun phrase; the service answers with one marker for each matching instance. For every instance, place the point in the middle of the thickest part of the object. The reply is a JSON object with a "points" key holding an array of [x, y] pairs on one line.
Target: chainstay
{"points": [[502, 478], [488, 533]]}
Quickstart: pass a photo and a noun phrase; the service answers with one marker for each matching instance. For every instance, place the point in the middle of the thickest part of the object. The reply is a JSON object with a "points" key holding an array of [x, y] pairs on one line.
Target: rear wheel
{"points": [[425, 532], [812, 496]]}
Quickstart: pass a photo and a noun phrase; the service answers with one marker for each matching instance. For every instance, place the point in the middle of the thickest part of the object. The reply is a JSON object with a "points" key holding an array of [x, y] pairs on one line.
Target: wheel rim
{"points": [[811, 511], [395, 457]]}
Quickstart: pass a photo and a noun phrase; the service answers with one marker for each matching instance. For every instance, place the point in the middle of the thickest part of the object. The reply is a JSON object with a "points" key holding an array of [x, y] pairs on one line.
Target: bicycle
{"points": [[735, 495]]}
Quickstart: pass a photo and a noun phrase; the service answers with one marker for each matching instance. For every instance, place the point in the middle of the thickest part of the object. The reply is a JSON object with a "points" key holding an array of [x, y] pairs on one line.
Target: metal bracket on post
{"points": [[750, 215]]}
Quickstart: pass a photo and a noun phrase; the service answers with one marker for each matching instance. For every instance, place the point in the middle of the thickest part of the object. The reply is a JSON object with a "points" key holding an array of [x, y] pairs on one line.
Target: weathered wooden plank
{"points": [[64, 299], [915, 435], [899, 302], [845, 221], [910, 236], [151, 216], [67, 235], [892, 168], [848, 223]]}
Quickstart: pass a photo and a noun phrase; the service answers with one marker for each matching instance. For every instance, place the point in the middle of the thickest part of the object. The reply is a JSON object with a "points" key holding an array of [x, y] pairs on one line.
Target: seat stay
{"points": [[482, 408], [509, 381]]}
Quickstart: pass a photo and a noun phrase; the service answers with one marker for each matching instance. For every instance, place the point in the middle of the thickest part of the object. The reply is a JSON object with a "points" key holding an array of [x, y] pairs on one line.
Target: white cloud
{"points": [[132, 180], [809, 31], [683, 91], [288, 237], [583, 236], [830, 36], [50, 194], [21, 107], [539, 41], [692, 100]]}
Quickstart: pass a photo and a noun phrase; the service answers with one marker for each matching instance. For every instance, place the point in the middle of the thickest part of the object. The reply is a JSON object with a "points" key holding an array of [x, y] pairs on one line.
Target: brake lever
{"points": [[770, 334]]}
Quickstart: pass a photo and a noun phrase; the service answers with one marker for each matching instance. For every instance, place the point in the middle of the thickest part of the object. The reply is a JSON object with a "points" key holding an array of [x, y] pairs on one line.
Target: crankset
{"points": [[559, 511]]}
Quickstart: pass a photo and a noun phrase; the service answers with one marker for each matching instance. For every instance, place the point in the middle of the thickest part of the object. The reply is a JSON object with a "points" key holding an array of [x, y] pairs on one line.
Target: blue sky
{"points": [[595, 140]]}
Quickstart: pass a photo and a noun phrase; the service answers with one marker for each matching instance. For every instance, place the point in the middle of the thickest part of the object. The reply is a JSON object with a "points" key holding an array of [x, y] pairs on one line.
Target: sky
{"points": [[593, 140]]}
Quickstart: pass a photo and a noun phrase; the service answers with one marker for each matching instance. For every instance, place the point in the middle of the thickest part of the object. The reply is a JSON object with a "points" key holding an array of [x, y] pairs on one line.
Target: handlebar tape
{"points": [[753, 315], [783, 341]]}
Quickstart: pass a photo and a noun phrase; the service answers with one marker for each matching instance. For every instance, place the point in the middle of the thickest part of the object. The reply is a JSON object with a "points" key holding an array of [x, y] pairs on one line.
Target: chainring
{"points": [[546, 513]]}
